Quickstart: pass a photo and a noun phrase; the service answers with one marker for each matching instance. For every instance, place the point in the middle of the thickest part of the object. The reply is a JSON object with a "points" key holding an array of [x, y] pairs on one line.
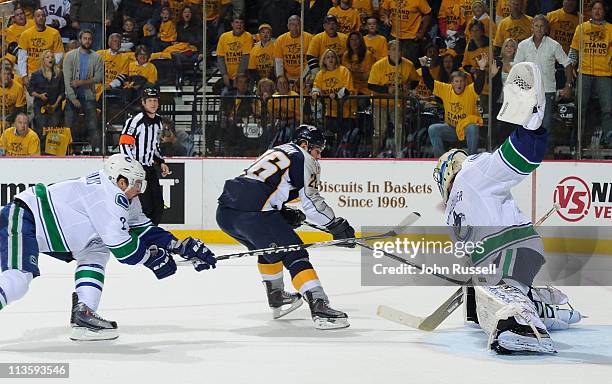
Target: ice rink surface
{"points": [[216, 327]]}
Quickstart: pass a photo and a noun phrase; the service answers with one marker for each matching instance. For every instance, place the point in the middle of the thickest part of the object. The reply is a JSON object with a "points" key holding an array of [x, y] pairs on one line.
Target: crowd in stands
{"points": [[383, 76]]}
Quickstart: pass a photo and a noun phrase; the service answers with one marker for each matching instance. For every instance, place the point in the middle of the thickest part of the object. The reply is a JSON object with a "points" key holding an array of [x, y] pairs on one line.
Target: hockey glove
{"points": [[161, 263], [293, 216], [195, 251], [341, 229]]}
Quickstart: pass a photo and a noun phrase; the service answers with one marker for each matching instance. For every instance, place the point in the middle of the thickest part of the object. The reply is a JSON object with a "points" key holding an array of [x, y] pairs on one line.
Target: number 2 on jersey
{"points": [[267, 165]]}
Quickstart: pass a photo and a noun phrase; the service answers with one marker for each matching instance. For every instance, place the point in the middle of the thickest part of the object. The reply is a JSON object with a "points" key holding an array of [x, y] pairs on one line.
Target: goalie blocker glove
{"points": [[293, 216], [160, 262], [195, 251], [341, 229]]}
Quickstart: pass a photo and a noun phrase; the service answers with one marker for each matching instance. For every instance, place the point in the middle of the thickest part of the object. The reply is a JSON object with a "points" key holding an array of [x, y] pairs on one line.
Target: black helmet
{"points": [[310, 134], [149, 93]]}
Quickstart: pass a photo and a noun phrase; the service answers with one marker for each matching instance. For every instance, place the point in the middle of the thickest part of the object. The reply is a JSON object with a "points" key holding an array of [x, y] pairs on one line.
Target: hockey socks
{"points": [[89, 283], [13, 286]]}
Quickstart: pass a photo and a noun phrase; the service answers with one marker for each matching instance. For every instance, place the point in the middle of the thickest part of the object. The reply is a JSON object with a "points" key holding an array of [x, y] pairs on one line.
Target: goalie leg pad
{"points": [[554, 308], [524, 332]]}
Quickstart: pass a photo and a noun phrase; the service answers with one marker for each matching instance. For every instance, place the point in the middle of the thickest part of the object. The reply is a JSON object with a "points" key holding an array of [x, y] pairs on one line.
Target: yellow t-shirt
{"points": [[321, 42], [452, 11], [410, 14], [14, 145], [348, 19], [421, 90], [35, 43], [456, 107], [562, 27], [359, 71], [518, 29], [148, 71], [262, 59], [13, 32], [596, 50], [288, 49], [377, 46], [385, 74], [114, 65], [365, 9], [502, 9], [57, 140], [11, 98], [328, 82], [232, 48], [285, 108], [167, 31], [212, 8], [176, 7]]}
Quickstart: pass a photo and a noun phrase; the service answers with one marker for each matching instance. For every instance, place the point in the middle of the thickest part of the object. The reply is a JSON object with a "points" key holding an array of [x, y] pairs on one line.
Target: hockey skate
{"points": [[281, 301], [325, 317], [513, 337], [87, 325]]}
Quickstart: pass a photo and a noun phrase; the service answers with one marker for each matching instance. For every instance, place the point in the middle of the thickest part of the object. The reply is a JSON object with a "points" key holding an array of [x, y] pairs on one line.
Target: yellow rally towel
{"points": [[470, 119]]}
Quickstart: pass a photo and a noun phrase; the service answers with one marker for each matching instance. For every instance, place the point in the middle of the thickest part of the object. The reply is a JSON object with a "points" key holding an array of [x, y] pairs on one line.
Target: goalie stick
{"points": [[408, 221], [432, 321]]}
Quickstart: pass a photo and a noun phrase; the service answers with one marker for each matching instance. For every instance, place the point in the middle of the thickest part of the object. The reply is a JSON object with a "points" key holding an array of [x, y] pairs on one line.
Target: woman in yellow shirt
{"points": [[285, 111], [332, 85]]}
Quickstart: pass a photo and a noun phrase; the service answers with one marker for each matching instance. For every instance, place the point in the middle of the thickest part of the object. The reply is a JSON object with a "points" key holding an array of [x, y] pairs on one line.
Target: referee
{"points": [[140, 140]]}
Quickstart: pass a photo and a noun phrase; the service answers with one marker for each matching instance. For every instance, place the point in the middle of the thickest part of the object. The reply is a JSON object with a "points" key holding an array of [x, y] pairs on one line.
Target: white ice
{"points": [[215, 326]]}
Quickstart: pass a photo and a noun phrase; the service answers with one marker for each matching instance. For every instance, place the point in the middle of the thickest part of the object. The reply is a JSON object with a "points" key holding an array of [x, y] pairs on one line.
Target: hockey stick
{"points": [[408, 221], [432, 321]]}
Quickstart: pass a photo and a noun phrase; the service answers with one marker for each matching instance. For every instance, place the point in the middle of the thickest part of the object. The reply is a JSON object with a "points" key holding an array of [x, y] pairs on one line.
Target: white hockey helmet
{"points": [[121, 165], [448, 166]]}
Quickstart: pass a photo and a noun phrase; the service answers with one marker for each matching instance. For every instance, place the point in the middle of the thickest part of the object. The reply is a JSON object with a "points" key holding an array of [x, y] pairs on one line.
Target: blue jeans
{"points": [[91, 122], [441, 132], [602, 87], [96, 28]]}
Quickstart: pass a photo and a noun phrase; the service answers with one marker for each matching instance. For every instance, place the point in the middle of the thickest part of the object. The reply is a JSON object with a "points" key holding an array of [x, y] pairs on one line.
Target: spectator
{"points": [[314, 13], [414, 21], [215, 14], [167, 30], [349, 19], [359, 62], [188, 46], [141, 73], [87, 15], [236, 109], [261, 58], [328, 39], [365, 9], [479, 44], [461, 116], [20, 140], [276, 13], [451, 22], [285, 111], [545, 52], [479, 13], [83, 69], [233, 52], [35, 40], [385, 80], [288, 50], [116, 65], [47, 89], [19, 24], [173, 142], [12, 95], [590, 52], [450, 65], [563, 23], [129, 35], [333, 84], [377, 44], [503, 9], [57, 14], [433, 54], [517, 25]]}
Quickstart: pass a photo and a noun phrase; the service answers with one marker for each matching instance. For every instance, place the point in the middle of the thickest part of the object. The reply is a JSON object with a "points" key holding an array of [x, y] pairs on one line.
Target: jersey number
{"points": [[268, 165]]}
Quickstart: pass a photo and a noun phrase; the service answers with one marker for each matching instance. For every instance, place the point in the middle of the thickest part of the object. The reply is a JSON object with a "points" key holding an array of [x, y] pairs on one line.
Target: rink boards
{"points": [[369, 192]]}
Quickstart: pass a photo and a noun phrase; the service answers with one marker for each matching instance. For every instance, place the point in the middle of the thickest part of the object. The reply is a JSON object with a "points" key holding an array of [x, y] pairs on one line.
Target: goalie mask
{"points": [[524, 99], [448, 166], [121, 165]]}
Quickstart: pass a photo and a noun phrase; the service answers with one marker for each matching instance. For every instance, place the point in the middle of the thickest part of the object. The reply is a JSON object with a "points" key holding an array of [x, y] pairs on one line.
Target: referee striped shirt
{"points": [[140, 138]]}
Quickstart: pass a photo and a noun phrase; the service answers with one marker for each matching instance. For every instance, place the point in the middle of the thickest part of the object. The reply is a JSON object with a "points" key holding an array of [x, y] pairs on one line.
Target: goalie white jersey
{"points": [[71, 214], [481, 207]]}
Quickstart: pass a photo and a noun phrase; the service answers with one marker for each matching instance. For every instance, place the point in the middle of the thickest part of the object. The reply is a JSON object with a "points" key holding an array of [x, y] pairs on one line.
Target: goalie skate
{"points": [[87, 325], [325, 317], [521, 338], [281, 301]]}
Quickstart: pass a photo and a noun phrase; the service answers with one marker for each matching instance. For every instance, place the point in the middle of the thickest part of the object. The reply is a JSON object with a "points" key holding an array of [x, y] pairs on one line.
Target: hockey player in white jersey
{"points": [[476, 191], [84, 219]]}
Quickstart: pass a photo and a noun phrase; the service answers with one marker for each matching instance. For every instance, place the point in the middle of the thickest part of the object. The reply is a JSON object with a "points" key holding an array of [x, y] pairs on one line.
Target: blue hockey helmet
{"points": [[309, 134]]}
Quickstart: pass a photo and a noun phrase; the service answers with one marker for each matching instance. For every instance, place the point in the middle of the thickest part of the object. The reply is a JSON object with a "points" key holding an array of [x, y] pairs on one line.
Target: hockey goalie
{"points": [[476, 192]]}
